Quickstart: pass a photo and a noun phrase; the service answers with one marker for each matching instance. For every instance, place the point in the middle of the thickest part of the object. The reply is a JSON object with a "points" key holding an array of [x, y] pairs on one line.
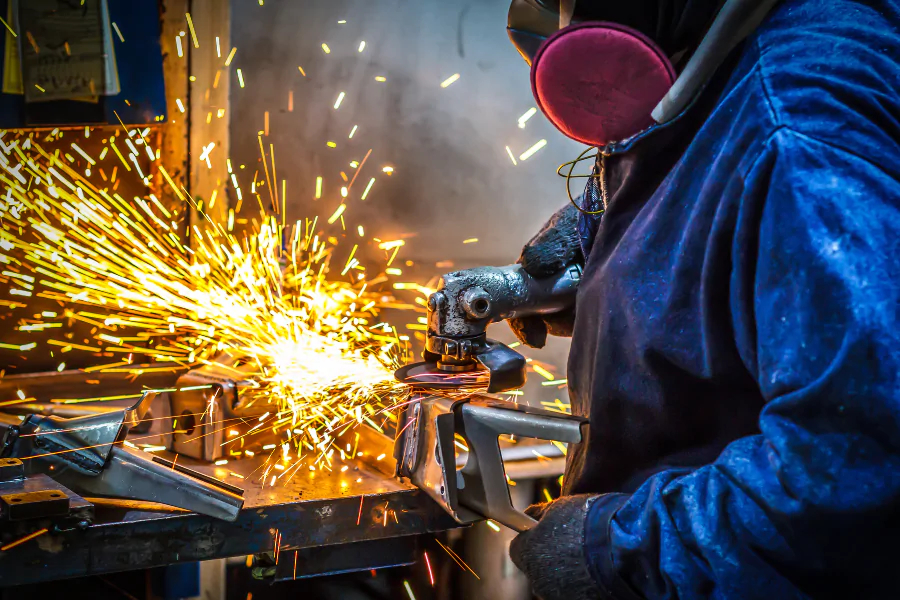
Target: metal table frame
{"points": [[331, 521]]}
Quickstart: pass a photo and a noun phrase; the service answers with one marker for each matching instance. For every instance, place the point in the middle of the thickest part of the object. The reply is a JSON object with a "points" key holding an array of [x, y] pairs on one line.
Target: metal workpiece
{"points": [[81, 443], [222, 378], [84, 444], [426, 453], [478, 489], [219, 375], [504, 417], [75, 410], [40, 497], [204, 398], [11, 469], [88, 454], [482, 480], [137, 475], [34, 504], [195, 428]]}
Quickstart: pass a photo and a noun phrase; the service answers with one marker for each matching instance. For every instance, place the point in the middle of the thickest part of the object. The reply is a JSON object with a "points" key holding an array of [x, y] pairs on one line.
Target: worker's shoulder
{"points": [[830, 69]]}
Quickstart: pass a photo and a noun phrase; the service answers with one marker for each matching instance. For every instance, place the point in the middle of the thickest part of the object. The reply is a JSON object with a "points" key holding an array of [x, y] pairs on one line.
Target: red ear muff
{"points": [[598, 82]]}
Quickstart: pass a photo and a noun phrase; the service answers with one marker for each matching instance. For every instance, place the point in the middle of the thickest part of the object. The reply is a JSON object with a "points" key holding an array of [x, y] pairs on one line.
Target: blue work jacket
{"points": [[737, 346]]}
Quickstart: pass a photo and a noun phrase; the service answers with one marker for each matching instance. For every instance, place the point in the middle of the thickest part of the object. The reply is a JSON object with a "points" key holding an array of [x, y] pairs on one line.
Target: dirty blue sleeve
{"points": [[809, 504]]}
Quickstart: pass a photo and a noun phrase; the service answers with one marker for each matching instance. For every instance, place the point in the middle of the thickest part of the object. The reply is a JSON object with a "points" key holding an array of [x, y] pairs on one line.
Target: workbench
{"points": [[327, 522]]}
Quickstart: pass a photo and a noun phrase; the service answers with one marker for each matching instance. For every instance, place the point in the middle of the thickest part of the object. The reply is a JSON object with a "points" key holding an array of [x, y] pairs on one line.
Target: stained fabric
{"points": [[736, 345]]}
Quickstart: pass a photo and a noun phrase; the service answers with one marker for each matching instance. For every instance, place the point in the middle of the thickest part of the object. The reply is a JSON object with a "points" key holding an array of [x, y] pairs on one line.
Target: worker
{"points": [[736, 333]]}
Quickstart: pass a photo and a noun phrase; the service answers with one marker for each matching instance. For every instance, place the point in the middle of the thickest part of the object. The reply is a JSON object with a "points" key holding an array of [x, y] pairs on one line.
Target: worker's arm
{"points": [[552, 249], [813, 499]]}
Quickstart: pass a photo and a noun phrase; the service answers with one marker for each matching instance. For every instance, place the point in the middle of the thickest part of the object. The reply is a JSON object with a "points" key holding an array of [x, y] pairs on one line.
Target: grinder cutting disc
{"points": [[427, 375]]}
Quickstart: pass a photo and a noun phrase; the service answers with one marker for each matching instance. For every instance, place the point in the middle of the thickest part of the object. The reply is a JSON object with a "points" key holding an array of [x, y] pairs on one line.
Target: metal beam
{"points": [[209, 108], [197, 93], [136, 540], [174, 147]]}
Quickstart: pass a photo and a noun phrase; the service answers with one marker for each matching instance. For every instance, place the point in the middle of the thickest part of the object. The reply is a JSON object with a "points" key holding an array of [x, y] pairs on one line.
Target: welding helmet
{"points": [[599, 81]]}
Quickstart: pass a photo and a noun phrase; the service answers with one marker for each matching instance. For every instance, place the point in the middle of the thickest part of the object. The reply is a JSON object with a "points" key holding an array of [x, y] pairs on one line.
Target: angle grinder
{"points": [[457, 350]]}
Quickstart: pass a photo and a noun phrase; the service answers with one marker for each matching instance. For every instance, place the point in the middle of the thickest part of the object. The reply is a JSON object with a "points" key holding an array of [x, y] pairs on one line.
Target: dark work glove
{"points": [[555, 247], [551, 554]]}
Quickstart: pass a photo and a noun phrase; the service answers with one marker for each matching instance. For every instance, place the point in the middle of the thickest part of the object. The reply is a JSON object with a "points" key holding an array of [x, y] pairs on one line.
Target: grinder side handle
{"points": [[525, 295], [466, 302]]}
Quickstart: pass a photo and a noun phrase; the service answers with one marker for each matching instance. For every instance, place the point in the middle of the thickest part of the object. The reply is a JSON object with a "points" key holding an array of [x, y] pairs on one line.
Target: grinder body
{"points": [[466, 302]]}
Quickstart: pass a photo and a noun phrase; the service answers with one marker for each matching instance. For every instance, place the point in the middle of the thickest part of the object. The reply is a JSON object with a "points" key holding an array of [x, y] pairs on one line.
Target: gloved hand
{"points": [[555, 247], [551, 554]]}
